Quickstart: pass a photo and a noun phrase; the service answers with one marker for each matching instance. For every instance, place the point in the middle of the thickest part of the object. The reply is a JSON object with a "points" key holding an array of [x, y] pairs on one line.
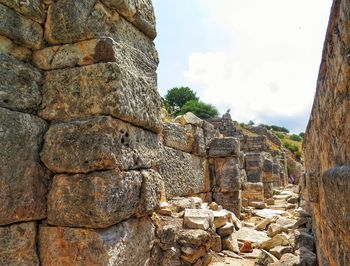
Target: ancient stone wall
{"points": [[80, 123], [327, 144]]}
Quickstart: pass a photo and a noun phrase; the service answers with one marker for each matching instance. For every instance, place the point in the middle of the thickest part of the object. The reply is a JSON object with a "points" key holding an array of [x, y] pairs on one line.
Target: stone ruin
{"points": [[90, 173]]}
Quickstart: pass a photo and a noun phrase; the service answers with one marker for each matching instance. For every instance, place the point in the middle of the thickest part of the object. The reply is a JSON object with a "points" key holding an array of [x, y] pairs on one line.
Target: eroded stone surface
{"points": [[99, 143], [33, 9], [184, 174], [97, 200], [128, 243], [20, 28], [10, 48], [100, 89], [224, 147], [18, 244], [23, 179], [20, 85], [227, 174]]}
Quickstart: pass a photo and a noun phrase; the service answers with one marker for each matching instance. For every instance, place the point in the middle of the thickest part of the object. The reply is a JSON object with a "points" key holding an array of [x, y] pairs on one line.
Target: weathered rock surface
{"points": [[187, 138], [184, 174], [23, 179], [33, 9], [100, 199], [20, 85], [189, 119], [19, 28], [8, 47], [230, 243], [18, 244], [128, 243], [78, 54], [231, 201], [194, 237], [227, 175], [139, 12], [83, 92], [99, 143], [251, 235], [224, 147], [198, 219]]}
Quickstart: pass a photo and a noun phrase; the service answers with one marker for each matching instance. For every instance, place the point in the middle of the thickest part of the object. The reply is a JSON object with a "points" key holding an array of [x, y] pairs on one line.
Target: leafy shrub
{"points": [[200, 109], [296, 137]]}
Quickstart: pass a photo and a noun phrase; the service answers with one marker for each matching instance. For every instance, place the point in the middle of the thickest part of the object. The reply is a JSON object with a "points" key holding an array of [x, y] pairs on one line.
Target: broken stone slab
{"points": [[277, 240], [101, 199], [33, 9], [192, 254], [198, 219], [255, 254], [19, 28], [18, 244], [20, 85], [275, 229], [184, 174], [189, 119], [82, 92], [180, 203], [194, 237], [257, 204], [227, 175], [8, 47], [23, 179], [128, 243], [231, 254], [99, 143], [224, 147], [230, 243], [281, 250], [266, 213], [214, 242], [225, 230], [221, 218], [249, 234], [264, 223]]}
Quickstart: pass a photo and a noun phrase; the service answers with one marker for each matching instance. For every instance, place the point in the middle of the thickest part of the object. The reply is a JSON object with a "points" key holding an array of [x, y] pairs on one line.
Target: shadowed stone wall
{"points": [[327, 144]]}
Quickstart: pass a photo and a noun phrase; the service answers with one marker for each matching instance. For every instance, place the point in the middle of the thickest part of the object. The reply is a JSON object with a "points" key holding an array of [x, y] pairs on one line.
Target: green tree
{"points": [[177, 97], [251, 123], [302, 134], [200, 109], [296, 137]]}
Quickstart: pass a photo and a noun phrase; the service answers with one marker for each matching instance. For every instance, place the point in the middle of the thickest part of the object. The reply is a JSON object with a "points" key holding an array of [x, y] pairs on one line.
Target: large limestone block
{"points": [[184, 174], [22, 178], [10, 48], [89, 19], [128, 243], [20, 85], [224, 147], [18, 245], [96, 200], [227, 175], [99, 143], [20, 29], [198, 219], [78, 54], [187, 138], [138, 12], [101, 89], [253, 191], [33, 9]]}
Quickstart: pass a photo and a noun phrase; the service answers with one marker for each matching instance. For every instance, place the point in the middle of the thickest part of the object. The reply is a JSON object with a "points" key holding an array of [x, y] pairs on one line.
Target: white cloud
{"points": [[269, 67]]}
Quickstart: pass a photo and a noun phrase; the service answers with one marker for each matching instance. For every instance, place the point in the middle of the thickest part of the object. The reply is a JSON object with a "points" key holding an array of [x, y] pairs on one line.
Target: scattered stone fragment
{"points": [[189, 118], [230, 243], [264, 223], [277, 240], [256, 253], [275, 229], [225, 230], [197, 253], [278, 251], [220, 218], [231, 254], [195, 237], [257, 204], [213, 206], [292, 200], [249, 234], [246, 247], [197, 219]]}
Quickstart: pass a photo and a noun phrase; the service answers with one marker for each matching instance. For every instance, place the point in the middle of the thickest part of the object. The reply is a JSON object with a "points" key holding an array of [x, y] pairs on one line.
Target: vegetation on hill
{"points": [[180, 100]]}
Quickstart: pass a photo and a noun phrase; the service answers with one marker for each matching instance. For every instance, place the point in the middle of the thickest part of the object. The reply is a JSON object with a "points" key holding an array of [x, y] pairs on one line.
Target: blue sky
{"points": [[260, 58]]}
